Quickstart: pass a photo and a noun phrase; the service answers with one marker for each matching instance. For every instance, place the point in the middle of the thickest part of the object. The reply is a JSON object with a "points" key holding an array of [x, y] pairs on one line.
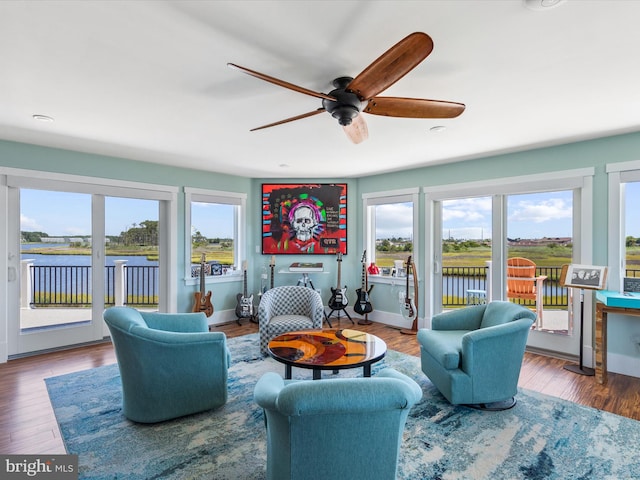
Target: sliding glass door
{"points": [[76, 249], [479, 227]]}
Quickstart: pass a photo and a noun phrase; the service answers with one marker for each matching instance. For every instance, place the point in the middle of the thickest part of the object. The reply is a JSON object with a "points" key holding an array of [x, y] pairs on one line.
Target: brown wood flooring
{"points": [[28, 425]]}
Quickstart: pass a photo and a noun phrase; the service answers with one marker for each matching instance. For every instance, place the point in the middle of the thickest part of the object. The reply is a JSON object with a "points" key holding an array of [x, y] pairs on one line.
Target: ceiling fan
{"points": [[353, 96]]}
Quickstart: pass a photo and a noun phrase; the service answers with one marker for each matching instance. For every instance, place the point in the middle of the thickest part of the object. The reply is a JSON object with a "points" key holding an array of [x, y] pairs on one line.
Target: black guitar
{"points": [[363, 304], [244, 308], [409, 310], [338, 298]]}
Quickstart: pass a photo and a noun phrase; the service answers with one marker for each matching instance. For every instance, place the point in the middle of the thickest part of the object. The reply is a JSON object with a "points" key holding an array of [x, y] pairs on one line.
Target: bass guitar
{"points": [[244, 308], [203, 300], [338, 298], [363, 304], [408, 309]]}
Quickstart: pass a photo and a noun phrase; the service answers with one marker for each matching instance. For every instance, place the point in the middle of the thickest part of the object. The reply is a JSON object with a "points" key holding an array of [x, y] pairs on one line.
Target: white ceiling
{"points": [[149, 80]]}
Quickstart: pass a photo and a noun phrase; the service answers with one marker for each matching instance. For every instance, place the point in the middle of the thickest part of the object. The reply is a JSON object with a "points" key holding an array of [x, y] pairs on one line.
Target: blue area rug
{"points": [[540, 438]]}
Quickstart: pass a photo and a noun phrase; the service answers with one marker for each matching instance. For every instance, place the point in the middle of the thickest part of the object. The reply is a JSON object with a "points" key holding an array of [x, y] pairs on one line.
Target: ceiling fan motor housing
{"points": [[347, 105]]}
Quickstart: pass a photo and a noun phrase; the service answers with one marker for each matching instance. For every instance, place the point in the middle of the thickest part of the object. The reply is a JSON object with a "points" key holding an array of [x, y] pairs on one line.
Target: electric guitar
{"points": [[408, 309], [244, 308], [272, 265], [363, 304], [203, 301], [338, 298]]}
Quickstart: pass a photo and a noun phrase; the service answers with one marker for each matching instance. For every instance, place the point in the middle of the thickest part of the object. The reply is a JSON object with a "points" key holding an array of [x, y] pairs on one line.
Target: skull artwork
{"points": [[304, 222]]}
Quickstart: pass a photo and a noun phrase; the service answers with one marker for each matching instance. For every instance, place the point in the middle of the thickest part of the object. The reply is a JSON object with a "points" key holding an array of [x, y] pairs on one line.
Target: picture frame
{"points": [[592, 277], [304, 218]]}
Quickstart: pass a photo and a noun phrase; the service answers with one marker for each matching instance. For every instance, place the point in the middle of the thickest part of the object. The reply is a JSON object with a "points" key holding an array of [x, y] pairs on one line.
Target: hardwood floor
{"points": [[28, 425]]}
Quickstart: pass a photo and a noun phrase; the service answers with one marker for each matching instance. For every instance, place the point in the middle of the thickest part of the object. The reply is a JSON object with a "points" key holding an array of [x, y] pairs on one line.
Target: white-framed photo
{"points": [[586, 276]]}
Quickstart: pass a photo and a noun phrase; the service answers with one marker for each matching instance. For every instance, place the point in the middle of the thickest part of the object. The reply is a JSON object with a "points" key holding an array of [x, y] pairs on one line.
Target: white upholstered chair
{"points": [[286, 309]]}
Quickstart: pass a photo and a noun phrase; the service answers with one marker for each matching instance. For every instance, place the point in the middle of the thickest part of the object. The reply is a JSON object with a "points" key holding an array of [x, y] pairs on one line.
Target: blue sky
{"points": [[529, 216], [69, 214]]}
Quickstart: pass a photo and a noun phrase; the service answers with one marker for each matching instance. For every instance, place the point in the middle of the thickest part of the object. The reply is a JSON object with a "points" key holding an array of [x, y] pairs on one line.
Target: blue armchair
{"points": [[473, 355], [337, 428], [170, 364]]}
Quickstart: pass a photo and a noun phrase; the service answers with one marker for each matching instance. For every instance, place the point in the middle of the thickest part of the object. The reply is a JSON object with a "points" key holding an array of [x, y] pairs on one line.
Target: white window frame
{"points": [[239, 200], [12, 179], [580, 180], [371, 200], [618, 174]]}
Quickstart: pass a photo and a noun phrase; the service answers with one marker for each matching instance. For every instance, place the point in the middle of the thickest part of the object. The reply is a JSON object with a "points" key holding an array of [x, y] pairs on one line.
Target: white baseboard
{"points": [[616, 363], [623, 365]]}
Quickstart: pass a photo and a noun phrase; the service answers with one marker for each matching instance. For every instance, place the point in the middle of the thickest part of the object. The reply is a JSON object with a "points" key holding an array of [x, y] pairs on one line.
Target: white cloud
{"points": [[29, 224], [394, 220], [543, 211]]}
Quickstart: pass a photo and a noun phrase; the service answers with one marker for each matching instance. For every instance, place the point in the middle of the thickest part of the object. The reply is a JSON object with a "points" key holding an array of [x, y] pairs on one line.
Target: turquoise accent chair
{"points": [[473, 355], [170, 364], [336, 428]]}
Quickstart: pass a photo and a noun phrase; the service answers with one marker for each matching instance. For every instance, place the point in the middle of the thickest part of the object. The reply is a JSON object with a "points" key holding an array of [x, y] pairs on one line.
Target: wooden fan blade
{"points": [[392, 65], [413, 107], [357, 130], [297, 117], [281, 83]]}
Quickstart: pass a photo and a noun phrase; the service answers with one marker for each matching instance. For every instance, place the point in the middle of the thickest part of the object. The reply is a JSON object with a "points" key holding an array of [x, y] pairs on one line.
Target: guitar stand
{"points": [[252, 319], [365, 320], [326, 317], [305, 281]]}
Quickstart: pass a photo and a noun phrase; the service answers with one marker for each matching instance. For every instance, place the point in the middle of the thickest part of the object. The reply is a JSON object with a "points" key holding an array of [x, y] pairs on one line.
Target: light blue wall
{"points": [[593, 153], [32, 157]]}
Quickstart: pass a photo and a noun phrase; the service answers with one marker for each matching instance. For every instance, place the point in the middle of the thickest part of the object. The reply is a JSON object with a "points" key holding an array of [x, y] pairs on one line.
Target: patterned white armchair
{"points": [[286, 309]]}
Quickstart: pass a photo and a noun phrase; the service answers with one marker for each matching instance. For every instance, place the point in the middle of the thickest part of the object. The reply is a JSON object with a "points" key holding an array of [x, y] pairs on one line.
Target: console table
{"points": [[610, 302]]}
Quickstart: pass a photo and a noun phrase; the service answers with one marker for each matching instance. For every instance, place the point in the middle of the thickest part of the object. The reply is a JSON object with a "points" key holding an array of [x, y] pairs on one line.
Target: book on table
{"points": [[306, 267]]}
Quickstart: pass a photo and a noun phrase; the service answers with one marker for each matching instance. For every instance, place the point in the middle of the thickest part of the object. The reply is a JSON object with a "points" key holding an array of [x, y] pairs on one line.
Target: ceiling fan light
{"points": [[345, 114]]}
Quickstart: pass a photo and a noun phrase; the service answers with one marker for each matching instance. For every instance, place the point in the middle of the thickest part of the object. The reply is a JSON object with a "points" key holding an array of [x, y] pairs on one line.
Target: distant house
{"points": [[539, 242]]}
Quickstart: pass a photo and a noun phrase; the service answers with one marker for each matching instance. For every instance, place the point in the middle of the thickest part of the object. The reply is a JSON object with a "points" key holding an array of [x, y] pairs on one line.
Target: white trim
{"points": [[622, 166], [386, 198], [238, 200], [216, 194], [42, 179], [391, 193], [580, 180], [542, 182], [617, 178]]}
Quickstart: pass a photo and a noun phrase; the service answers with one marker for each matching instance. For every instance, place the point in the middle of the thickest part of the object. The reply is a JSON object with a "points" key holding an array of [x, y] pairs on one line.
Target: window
{"points": [[547, 214], [632, 229], [390, 229], [214, 230], [624, 222]]}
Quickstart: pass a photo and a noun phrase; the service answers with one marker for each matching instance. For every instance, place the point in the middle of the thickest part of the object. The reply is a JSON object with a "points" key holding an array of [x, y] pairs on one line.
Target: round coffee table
{"points": [[329, 349]]}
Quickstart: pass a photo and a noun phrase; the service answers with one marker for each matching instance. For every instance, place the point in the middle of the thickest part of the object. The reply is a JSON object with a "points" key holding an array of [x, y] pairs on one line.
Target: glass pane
{"points": [[56, 249], [394, 236], [466, 249], [540, 229], [213, 234], [632, 229], [131, 252]]}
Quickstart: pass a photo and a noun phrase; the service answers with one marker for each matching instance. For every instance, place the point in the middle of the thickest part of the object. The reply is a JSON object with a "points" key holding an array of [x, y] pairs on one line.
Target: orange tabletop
{"points": [[327, 350]]}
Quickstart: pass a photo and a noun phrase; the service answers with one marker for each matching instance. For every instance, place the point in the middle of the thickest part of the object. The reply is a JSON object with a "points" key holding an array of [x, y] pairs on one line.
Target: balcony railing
{"points": [[71, 285], [457, 281]]}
